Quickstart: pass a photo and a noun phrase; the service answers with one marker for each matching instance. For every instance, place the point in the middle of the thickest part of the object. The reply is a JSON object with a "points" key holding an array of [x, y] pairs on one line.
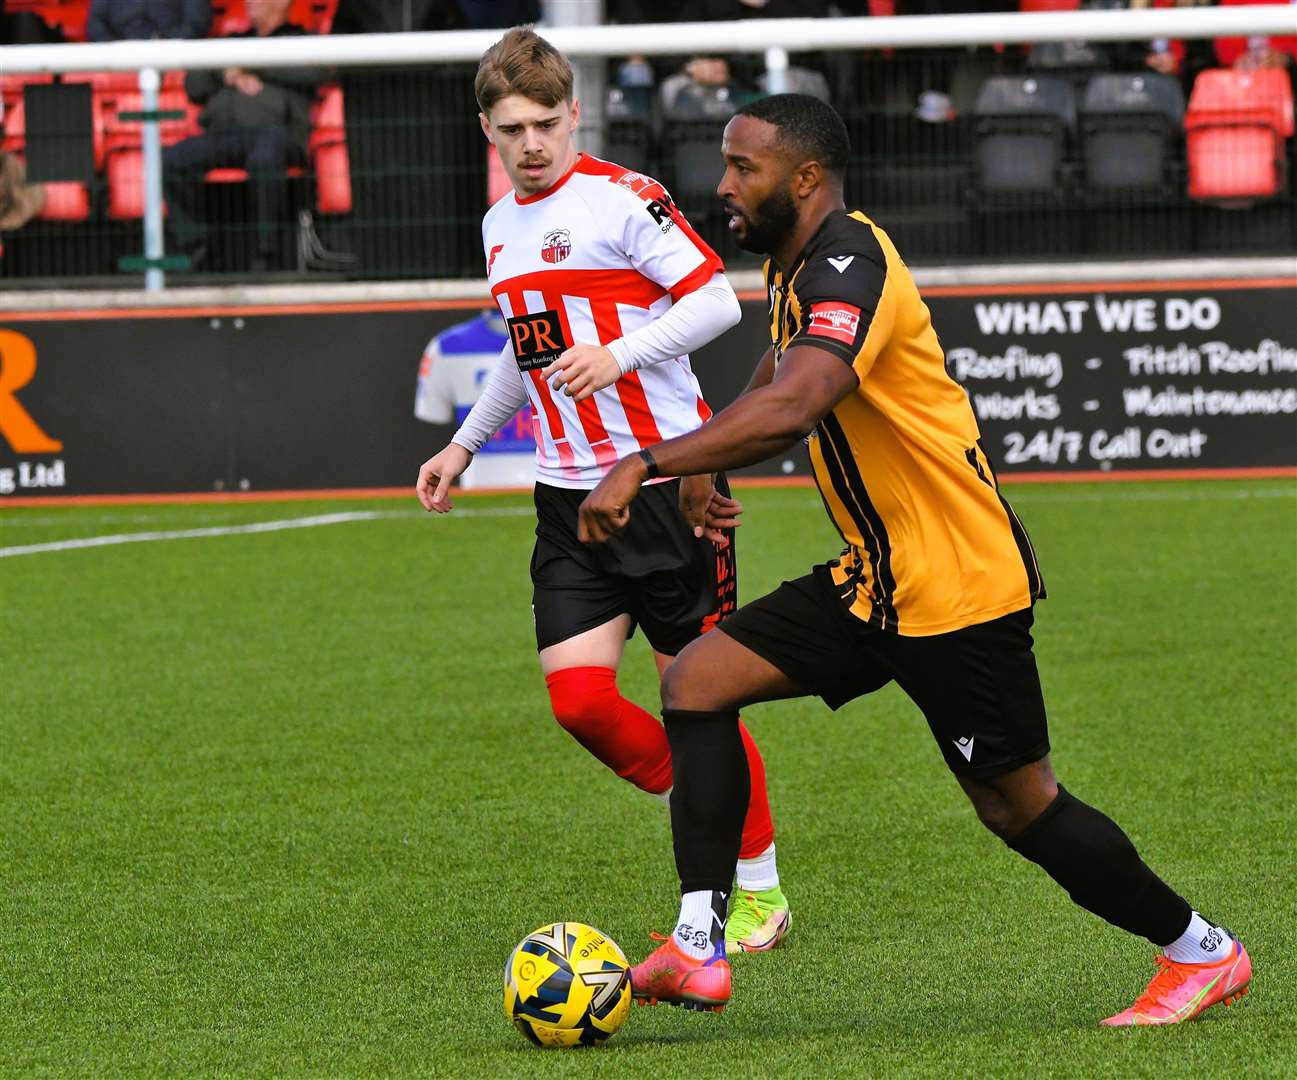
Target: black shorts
{"points": [[977, 687], [672, 584]]}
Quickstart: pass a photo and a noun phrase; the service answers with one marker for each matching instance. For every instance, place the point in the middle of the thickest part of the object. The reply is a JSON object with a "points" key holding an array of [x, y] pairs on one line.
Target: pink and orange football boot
{"points": [[1179, 992], [669, 976]]}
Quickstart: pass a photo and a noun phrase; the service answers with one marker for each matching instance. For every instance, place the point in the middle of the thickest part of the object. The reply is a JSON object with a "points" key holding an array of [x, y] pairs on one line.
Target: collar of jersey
{"points": [[808, 250], [554, 186]]}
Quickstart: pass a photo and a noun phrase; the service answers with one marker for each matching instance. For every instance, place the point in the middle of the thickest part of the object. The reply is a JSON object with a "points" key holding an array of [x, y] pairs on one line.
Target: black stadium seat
{"points": [[1021, 130], [1128, 126], [628, 119], [1022, 186]]}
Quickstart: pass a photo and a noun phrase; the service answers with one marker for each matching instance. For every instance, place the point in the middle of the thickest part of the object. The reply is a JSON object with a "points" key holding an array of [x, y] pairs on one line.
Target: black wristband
{"points": [[649, 464]]}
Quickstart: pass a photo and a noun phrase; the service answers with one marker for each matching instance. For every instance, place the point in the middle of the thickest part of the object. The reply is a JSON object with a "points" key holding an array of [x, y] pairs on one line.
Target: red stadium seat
{"points": [[329, 157], [70, 16], [123, 142], [239, 176], [1224, 91], [109, 84], [66, 200], [1235, 127], [1048, 5]]}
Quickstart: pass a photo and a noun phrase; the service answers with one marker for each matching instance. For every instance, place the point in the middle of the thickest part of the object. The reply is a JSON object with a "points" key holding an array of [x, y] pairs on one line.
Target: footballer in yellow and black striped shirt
{"points": [[932, 546], [935, 589]]}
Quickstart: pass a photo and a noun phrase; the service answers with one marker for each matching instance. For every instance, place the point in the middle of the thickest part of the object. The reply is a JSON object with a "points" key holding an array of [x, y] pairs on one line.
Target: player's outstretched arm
{"points": [[807, 384], [437, 474]]}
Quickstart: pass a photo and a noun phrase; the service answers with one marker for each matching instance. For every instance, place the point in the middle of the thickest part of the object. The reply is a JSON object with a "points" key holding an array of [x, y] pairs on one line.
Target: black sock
{"points": [[709, 796], [1087, 853]]}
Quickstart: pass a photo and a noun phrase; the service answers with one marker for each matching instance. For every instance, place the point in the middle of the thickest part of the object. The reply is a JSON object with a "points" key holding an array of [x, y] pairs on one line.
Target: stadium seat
{"points": [[1048, 5], [69, 16], [1235, 130], [1128, 123], [65, 200], [124, 141], [330, 159], [1021, 127], [693, 123], [628, 136], [1225, 91], [696, 165], [922, 205]]}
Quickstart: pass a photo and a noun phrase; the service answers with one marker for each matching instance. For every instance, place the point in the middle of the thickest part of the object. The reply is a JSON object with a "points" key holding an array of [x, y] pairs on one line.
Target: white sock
{"points": [[759, 874], [1202, 943], [700, 929], [665, 796]]}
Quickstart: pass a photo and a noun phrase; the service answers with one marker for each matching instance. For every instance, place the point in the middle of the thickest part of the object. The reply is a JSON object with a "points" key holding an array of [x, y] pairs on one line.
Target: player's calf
{"points": [[631, 742]]}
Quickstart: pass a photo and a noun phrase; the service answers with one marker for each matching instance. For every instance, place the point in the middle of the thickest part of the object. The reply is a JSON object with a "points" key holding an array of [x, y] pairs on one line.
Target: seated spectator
{"points": [[635, 71], [1166, 56], [255, 120], [704, 89], [139, 20]]}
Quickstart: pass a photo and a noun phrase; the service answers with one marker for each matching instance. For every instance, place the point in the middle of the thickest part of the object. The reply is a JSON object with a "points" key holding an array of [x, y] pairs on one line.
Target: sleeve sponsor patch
{"points": [[834, 319]]}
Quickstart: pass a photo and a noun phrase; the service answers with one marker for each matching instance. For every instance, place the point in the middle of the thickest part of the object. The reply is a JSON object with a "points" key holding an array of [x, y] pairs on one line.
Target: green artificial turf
{"points": [[281, 804]]}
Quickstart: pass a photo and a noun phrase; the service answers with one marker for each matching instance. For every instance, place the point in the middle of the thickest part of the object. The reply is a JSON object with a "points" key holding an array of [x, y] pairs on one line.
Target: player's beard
{"points": [[768, 224]]}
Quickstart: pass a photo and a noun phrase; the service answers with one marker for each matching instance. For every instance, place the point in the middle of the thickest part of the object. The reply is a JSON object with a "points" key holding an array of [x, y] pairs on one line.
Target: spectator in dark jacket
{"points": [[254, 120], [138, 20]]}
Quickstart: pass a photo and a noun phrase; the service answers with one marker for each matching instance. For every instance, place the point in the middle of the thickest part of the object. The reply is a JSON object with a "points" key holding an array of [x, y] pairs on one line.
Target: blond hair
{"points": [[522, 62]]}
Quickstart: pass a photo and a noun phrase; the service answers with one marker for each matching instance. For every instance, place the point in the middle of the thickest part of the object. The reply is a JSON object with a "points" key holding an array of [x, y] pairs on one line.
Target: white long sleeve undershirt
{"points": [[502, 396], [690, 323]]}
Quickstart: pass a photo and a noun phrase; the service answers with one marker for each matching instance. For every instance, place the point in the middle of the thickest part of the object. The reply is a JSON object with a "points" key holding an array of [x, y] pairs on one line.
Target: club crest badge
{"points": [[556, 246]]}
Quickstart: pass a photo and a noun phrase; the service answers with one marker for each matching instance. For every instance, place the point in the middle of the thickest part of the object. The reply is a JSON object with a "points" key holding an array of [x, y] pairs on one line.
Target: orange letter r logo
{"points": [[17, 368]]}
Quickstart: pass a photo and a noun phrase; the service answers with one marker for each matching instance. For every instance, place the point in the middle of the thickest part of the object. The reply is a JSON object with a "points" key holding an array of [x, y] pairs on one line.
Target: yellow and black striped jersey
{"points": [[932, 545]]}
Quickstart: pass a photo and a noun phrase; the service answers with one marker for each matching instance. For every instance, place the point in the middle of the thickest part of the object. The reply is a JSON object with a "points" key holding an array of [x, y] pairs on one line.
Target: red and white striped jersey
{"points": [[598, 255]]}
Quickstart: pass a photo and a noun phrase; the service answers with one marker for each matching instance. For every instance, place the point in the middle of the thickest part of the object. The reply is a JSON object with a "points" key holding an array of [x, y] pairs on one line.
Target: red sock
{"points": [[631, 742], [758, 828], [616, 731]]}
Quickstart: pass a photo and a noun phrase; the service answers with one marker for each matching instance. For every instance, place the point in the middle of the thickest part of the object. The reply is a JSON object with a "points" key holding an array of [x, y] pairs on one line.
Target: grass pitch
{"points": [[280, 805]]}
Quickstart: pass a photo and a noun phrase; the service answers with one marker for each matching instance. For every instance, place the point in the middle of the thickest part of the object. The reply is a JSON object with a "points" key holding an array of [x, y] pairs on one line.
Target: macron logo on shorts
{"points": [[835, 320], [964, 744]]}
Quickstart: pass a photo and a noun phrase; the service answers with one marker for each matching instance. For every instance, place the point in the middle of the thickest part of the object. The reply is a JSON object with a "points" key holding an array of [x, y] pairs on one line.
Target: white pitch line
{"points": [[277, 525], [280, 524]]}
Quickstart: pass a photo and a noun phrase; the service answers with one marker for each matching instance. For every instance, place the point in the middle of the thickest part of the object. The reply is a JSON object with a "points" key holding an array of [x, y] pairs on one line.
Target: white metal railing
{"points": [[751, 36], [775, 38]]}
